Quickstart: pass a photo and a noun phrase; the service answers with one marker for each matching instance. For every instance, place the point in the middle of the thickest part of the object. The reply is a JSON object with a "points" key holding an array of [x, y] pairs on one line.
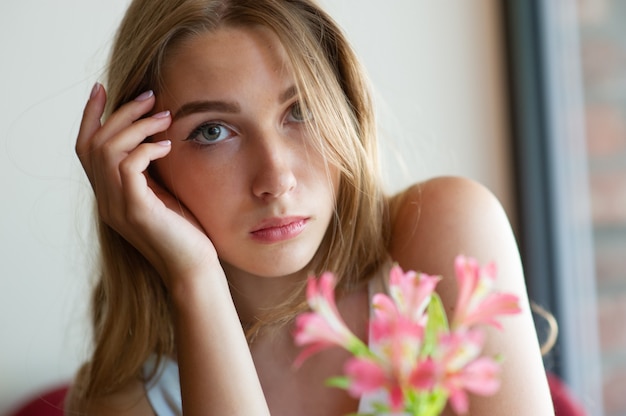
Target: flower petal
{"points": [[489, 310], [309, 351], [481, 376], [476, 304], [423, 377], [411, 291], [467, 275], [365, 376], [396, 398], [459, 401]]}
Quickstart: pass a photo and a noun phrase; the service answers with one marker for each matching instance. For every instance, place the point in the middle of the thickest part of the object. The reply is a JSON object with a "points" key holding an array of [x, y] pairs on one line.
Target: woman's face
{"points": [[241, 159]]}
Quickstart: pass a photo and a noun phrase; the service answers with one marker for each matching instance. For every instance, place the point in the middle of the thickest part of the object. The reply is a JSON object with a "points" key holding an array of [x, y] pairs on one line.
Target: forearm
{"points": [[217, 373]]}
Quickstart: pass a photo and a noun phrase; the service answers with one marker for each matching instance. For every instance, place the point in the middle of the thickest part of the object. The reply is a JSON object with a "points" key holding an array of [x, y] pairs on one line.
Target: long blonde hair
{"points": [[130, 307]]}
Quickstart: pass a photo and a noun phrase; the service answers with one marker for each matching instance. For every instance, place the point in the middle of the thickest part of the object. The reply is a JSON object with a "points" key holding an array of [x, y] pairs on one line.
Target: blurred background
{"points": [[603, 61], [528, 98]]}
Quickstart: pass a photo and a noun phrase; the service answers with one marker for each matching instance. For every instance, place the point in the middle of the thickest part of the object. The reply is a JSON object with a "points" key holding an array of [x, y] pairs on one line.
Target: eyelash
{"points": [[298, 106], [195, 133]]}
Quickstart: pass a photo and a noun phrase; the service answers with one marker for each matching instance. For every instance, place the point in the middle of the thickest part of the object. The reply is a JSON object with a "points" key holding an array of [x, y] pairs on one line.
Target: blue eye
{"points": [[298, 114], [210, 133]]}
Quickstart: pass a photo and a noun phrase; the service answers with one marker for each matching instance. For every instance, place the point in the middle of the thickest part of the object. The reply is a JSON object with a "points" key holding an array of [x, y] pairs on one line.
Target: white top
{"points": [[163, 390]]}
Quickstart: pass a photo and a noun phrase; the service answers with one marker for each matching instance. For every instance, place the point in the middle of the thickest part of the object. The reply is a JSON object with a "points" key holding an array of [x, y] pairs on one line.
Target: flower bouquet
{"points": [[417, 359]]}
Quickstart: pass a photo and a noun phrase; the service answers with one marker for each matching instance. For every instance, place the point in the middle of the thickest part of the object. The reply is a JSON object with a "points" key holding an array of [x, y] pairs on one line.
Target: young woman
{"points": [[232, 155]]}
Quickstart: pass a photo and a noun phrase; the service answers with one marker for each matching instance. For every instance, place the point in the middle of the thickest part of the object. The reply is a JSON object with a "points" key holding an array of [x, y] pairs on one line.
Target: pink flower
{"points": [[323, 327], [390, 324], [411, 292], [366, 374], [461, 369], [476, 304], [416, 357], [398, 339], [398, 331], [399, 320]]}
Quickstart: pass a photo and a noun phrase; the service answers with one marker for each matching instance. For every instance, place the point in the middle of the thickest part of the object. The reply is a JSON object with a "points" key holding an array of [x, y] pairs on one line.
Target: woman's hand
{"points": [[115, 156]]}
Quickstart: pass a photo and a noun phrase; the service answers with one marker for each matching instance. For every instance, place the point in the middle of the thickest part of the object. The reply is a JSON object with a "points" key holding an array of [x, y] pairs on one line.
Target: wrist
{"points": [[197, 286]]}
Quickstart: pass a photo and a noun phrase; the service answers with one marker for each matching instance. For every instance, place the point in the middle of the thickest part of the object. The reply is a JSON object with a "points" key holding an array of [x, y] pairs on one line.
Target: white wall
{"points": [[436, 66], [51, 52]]}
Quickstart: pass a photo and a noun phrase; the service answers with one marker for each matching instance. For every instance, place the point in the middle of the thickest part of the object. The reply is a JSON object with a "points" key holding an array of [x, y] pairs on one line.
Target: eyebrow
{"points": [[205, 107], [223, 106], [287, 94]]}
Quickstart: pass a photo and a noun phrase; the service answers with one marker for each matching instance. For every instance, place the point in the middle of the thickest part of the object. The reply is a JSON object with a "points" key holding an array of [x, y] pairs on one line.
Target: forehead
{"points": [[225, 56]]}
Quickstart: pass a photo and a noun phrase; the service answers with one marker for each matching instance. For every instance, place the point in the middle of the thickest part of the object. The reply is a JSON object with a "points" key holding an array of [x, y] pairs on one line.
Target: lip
{"points": [[274, 230]]}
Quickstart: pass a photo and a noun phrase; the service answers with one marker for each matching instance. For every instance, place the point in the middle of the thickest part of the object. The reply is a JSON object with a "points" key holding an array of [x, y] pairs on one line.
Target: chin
{"points": [[282, 269], [273, 266]]}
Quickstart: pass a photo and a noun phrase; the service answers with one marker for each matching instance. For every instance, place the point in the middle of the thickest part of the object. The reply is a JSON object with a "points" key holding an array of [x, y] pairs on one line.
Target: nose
{"points": [[274, 173]]}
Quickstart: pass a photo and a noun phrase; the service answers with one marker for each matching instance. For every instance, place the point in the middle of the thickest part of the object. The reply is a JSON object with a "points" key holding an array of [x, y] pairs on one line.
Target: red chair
{"points": [[565, 404], [48, 403]]}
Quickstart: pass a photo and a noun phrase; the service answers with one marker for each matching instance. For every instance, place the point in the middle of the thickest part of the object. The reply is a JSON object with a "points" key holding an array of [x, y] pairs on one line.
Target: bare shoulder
{"points": [[129, 401], [432, 223], [436, 220]]}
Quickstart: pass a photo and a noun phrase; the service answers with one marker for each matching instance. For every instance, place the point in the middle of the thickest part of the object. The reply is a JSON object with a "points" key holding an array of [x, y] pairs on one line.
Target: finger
{"points": [[132, 169], [92, 115], [126, 141], [126, 115], [124, 184], [125, 153], [143, 195], [102, 163]]}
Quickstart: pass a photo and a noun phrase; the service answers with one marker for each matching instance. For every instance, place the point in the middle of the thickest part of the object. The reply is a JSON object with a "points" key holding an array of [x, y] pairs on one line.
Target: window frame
{"points": [[554, 230]]}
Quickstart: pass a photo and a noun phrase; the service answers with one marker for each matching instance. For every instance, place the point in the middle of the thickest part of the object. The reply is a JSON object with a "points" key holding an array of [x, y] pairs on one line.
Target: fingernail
{"points": [[95, 90], [144, 96], [164, 143], [162, 114]]}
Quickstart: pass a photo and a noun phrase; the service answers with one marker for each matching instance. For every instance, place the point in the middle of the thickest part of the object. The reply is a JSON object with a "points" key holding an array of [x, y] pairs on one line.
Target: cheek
{"points": [[197, 183], [332, 182]]}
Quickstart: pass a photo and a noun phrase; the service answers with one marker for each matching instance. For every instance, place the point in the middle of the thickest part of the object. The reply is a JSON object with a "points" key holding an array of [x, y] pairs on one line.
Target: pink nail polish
{"points": [[162, 114], [95, 90], [144, 96]]}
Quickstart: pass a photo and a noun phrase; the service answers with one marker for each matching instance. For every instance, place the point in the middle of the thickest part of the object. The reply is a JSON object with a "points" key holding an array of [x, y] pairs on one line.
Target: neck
{"points": [[256, 296]]}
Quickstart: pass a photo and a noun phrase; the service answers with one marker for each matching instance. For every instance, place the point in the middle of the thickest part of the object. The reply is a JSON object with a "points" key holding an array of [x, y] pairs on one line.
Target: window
{"points": [[603, 56], [552, 168]]}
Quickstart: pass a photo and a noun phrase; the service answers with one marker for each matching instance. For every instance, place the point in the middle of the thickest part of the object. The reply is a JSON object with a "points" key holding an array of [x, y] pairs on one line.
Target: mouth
{"points": [[274, 230]]}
